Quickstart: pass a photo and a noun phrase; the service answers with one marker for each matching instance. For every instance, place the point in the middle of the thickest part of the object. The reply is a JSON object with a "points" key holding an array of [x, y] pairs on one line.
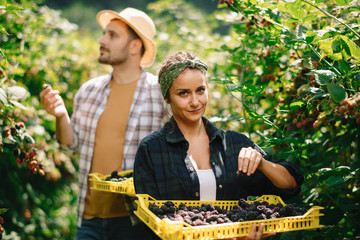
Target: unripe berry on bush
{"points": [[351, 105], [316, 124], [19, 161], [41, 172], [6, 132], [341, 109], [358, 120], [32, 154], [344, 102]]}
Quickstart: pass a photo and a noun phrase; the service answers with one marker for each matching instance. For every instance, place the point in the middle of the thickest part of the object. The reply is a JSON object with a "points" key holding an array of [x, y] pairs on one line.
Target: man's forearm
{"points": [[64, 131]]}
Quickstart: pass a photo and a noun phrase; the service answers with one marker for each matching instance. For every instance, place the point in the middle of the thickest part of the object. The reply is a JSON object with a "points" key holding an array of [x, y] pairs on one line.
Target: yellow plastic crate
{"points": [[179, 230], [125, 187]]}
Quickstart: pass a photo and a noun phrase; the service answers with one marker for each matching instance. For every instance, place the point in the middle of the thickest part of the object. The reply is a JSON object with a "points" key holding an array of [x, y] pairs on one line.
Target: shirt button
{"points": [[196, 194], [220, 186], [191, 169]]}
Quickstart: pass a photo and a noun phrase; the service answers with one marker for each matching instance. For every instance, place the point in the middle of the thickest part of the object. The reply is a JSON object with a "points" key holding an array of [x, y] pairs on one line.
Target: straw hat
{"points": [[140, 23]]}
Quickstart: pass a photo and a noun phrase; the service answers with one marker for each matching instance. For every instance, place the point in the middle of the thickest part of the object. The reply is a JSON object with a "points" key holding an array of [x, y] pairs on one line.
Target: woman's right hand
{"points": [[52, 102]]}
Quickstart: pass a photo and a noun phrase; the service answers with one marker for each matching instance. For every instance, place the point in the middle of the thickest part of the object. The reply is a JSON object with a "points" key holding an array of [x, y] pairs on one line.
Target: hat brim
{"points": [[105, 16]]}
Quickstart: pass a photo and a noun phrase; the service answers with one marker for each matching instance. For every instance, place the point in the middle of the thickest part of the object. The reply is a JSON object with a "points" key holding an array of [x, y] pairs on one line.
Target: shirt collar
{"points": [[174, 135]]}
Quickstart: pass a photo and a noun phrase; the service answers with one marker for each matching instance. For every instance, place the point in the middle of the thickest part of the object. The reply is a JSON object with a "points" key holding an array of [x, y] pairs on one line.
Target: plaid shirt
{"points": [[162, 170], [146, 115]]}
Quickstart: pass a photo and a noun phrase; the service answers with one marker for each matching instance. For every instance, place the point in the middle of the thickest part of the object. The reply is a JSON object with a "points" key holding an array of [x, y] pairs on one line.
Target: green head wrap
{"points": [[175, 69]]}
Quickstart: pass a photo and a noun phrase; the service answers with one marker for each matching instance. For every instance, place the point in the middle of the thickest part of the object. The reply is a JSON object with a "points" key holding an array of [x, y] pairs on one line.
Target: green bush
{"points": [[38, 47], [292, 72]]}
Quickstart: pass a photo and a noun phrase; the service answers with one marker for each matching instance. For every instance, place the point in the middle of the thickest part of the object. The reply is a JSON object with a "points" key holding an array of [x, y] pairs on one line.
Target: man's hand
{"points": [[52, 102]]}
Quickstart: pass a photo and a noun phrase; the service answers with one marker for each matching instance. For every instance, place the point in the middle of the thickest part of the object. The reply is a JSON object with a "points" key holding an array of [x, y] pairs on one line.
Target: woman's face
{"points": [[188, 96]]}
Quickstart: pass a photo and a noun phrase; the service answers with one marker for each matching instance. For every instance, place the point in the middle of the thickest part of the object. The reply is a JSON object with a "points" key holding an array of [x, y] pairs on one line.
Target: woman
{"points": [[191, 159]]}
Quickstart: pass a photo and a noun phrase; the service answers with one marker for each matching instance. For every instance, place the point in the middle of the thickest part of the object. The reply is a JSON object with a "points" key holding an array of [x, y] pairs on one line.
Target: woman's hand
{"points": [[249, 160], [256, 234]]}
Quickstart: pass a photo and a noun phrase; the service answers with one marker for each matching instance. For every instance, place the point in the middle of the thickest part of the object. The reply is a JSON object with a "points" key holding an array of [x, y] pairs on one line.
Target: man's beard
{"points": [[114, 60]]}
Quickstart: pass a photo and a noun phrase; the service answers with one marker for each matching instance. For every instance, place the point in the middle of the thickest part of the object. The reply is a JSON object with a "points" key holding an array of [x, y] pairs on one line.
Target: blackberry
{"points": [[13, 131], [169, 204], [197, 222], [220, 220], [261, 216], [197, 216], [242, 203], [182, 206], [261, 208], [188, 221], [252, 208], [236, 207], [274, 215], [211, 207], [16, 152], [165, 209], [114, 174], [252, 215], [155, 209]]}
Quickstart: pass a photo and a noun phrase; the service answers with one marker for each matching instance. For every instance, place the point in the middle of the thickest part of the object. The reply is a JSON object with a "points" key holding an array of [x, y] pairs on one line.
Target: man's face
{"points": [[114, 44]]}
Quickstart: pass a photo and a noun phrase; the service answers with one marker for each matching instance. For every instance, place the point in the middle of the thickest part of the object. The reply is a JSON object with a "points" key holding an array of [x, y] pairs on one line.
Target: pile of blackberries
{"points": [[207, 214], [114, 177]]}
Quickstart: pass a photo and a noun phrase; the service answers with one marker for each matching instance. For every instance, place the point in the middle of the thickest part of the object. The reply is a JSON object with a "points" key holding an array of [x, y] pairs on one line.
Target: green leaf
{"points": [[3, 96], [334, 180], [295, 9], [17, 92], [354, 49], [344, 67], [342, 2], [3, 30], [297, 105], [19, 105], [13, 7], [330, 48], [309, 18], [311, 37], [324, 76], [337, 92], [3, 210], [28, 139]]}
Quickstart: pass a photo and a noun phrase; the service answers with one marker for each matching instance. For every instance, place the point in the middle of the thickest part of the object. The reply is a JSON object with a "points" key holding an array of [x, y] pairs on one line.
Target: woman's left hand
{"points": [[249, 160], [255, 233]]}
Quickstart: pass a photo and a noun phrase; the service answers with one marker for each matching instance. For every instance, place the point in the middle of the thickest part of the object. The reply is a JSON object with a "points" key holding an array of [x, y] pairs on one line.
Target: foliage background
{"points": [[285, 72]]}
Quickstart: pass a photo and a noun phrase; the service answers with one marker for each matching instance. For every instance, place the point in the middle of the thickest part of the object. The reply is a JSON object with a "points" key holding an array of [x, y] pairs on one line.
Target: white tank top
{"points": [[207, 183]]}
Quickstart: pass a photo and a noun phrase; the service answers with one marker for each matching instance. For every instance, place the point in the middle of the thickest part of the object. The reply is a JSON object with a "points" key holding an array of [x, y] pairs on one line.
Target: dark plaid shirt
{"points": [[162, 170]]}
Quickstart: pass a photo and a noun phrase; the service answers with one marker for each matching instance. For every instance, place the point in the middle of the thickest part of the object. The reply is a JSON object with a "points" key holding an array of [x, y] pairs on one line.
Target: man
{"points": [[111, 115]]}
